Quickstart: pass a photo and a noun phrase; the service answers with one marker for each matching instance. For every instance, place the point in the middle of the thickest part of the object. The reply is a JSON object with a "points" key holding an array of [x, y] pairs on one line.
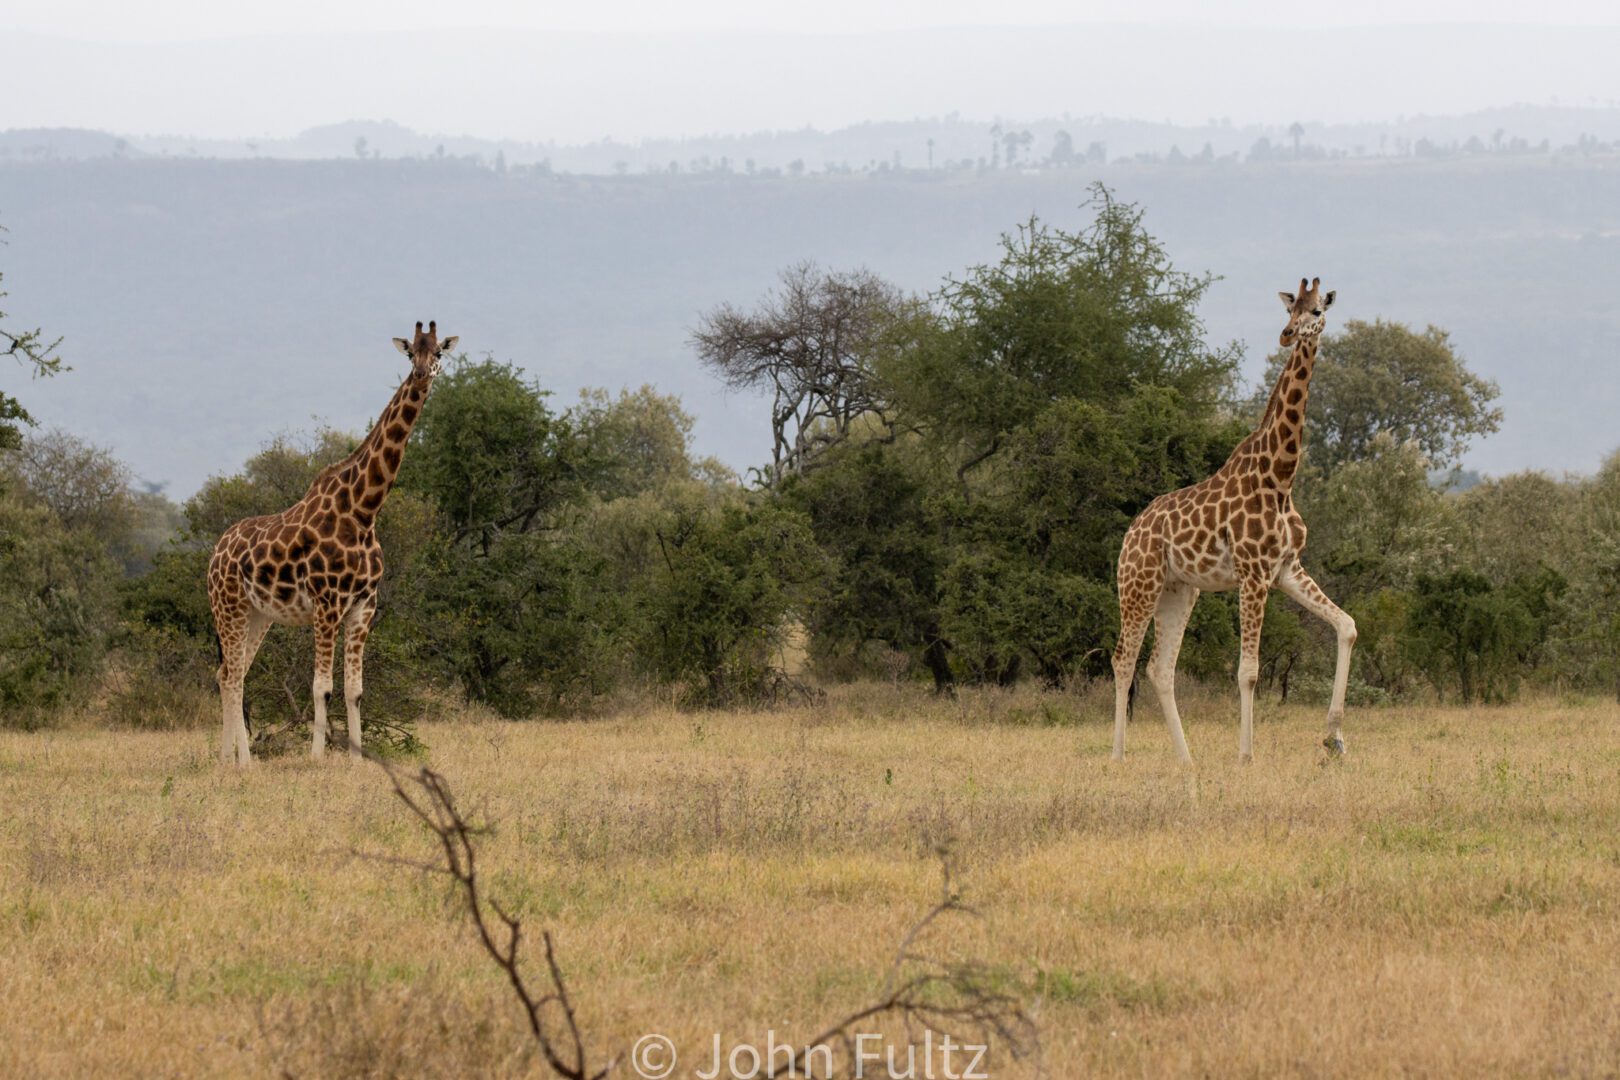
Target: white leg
{"points": [[1298, 585], [230, 700], [1169, 624], [1252, 610], [356, 629]]}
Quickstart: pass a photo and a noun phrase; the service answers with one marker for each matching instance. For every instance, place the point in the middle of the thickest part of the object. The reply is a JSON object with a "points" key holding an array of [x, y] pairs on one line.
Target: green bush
{"points": [[56, 611], [714, 612], [1462, 632], [528, 624]]}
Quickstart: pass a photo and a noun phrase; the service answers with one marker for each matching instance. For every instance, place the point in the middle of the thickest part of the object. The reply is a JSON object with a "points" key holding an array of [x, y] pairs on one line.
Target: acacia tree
{"points": [[811, 345], [1091, 315], [1378, 377], [1044, 399]]}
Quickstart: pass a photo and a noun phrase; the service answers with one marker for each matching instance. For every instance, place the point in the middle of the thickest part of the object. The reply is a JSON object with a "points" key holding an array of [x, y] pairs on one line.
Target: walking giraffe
{"points": [[317, 563], [1236, 530]]}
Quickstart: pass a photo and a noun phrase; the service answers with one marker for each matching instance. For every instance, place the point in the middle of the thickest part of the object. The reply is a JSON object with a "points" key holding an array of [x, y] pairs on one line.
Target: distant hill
{"points": [[209, 304], [940, 143]]}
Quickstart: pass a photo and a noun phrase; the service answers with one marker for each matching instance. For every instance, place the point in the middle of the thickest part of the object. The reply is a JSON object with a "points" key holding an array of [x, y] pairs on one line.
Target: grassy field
{"points": [[1446, 901]]}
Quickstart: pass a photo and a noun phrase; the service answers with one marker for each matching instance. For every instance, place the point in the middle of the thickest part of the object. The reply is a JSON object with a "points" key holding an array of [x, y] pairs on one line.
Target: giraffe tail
{"points": [[1130, 698]]}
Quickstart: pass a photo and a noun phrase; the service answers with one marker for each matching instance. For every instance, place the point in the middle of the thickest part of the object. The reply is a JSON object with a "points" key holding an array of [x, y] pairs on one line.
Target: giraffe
{"points": [[317, 563], [1238, 529]]}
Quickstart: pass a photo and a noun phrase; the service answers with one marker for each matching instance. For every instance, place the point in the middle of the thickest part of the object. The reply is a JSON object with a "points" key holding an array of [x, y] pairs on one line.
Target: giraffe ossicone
{"points": [[316, 563], [1237, 529]]}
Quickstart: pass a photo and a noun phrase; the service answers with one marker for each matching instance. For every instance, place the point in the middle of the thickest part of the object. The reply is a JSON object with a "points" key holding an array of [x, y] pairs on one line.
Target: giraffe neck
{"points": [[369, 473], [1281, 434]]}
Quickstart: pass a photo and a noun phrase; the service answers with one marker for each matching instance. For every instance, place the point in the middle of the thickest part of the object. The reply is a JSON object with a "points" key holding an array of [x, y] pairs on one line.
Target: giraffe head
{"points": [[1305, 312], [425, 350]]}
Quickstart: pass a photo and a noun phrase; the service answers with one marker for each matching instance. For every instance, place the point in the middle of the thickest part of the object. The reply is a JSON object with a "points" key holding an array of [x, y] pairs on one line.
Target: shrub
{"points": [[56, 611]]}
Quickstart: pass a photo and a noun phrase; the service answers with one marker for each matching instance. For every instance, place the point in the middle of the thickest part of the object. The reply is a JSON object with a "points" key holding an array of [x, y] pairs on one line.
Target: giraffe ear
{"points": [[447, 344], [402, 345], [1327, 301], [1287, 299]]}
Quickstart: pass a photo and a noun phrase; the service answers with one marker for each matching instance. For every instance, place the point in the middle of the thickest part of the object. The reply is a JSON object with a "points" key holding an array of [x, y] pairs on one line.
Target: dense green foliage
{"points": [[962, 529], [55, 605]]}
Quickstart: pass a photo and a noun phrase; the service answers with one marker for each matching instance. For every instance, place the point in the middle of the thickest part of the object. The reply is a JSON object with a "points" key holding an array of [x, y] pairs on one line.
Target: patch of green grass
{"points": [[1409, 837], [258, 978], [1099, 991]]}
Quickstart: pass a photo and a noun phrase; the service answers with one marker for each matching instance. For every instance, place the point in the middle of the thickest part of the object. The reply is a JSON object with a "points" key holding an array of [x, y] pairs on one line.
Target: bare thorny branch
{"points": [[923, 993], [29, 347], [428, 796], [931, 995]]}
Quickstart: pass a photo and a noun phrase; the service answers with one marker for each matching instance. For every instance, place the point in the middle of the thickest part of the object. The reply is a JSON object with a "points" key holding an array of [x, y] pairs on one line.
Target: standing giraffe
{"points": [[317, 563], [1236, 530]]}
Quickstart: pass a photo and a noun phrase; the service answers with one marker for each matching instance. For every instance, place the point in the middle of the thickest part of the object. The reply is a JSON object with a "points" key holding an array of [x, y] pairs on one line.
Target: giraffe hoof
{"points": [[1335, 745], [1245, 759]]}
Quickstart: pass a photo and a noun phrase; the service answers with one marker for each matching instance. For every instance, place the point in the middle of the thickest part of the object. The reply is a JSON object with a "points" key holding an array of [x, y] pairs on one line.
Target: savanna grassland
{"points": [[1445, 901]]}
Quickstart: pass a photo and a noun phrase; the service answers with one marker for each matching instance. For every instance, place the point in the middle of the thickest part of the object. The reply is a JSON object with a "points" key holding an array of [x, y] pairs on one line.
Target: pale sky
{"points": [[636, 69], [182, 20]]}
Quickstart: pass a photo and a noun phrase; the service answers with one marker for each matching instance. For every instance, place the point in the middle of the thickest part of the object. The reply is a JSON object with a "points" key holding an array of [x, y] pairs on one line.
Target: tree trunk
{"points": [[934, 657]]}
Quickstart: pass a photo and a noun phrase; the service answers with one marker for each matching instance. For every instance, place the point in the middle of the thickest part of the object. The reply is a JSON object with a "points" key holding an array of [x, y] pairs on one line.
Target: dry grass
{"points": [[1445, 902]]}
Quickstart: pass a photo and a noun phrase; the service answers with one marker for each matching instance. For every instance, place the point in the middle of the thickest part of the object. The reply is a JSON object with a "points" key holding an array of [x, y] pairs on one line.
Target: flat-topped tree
{"points": [[317, 563], [1236, 530]]}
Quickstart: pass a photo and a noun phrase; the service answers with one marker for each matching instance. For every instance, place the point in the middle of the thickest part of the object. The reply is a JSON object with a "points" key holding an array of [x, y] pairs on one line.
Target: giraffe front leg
{"points": [[326, 624], [1252, 611], [1304, 591], [1170, 623], [358, 628]]}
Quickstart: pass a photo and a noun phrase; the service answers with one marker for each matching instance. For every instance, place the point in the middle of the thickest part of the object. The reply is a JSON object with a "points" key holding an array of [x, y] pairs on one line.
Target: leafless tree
{"points": [[924, 993], [811, 345]]}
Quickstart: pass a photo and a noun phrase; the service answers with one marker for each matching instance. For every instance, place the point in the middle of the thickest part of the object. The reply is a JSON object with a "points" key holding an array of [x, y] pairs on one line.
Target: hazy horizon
{"points": [[102, 250]]}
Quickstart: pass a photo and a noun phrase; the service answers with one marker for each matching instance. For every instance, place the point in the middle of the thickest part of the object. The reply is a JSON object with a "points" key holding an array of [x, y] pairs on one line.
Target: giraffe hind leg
{"points": [[231, 630], [326, 628], [1297, 584], [357, 629], [1252, 616], [258, 626], [1138, 596]]}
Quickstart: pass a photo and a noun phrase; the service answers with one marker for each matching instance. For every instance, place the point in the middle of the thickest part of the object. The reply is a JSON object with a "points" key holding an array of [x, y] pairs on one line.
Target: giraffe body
{"points": [[1237, 529], [317, 563]]}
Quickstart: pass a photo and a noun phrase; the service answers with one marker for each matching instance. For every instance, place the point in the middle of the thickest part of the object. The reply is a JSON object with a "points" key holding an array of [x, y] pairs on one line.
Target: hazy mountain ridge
{"points": [[940, 142], [210, 304]]}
